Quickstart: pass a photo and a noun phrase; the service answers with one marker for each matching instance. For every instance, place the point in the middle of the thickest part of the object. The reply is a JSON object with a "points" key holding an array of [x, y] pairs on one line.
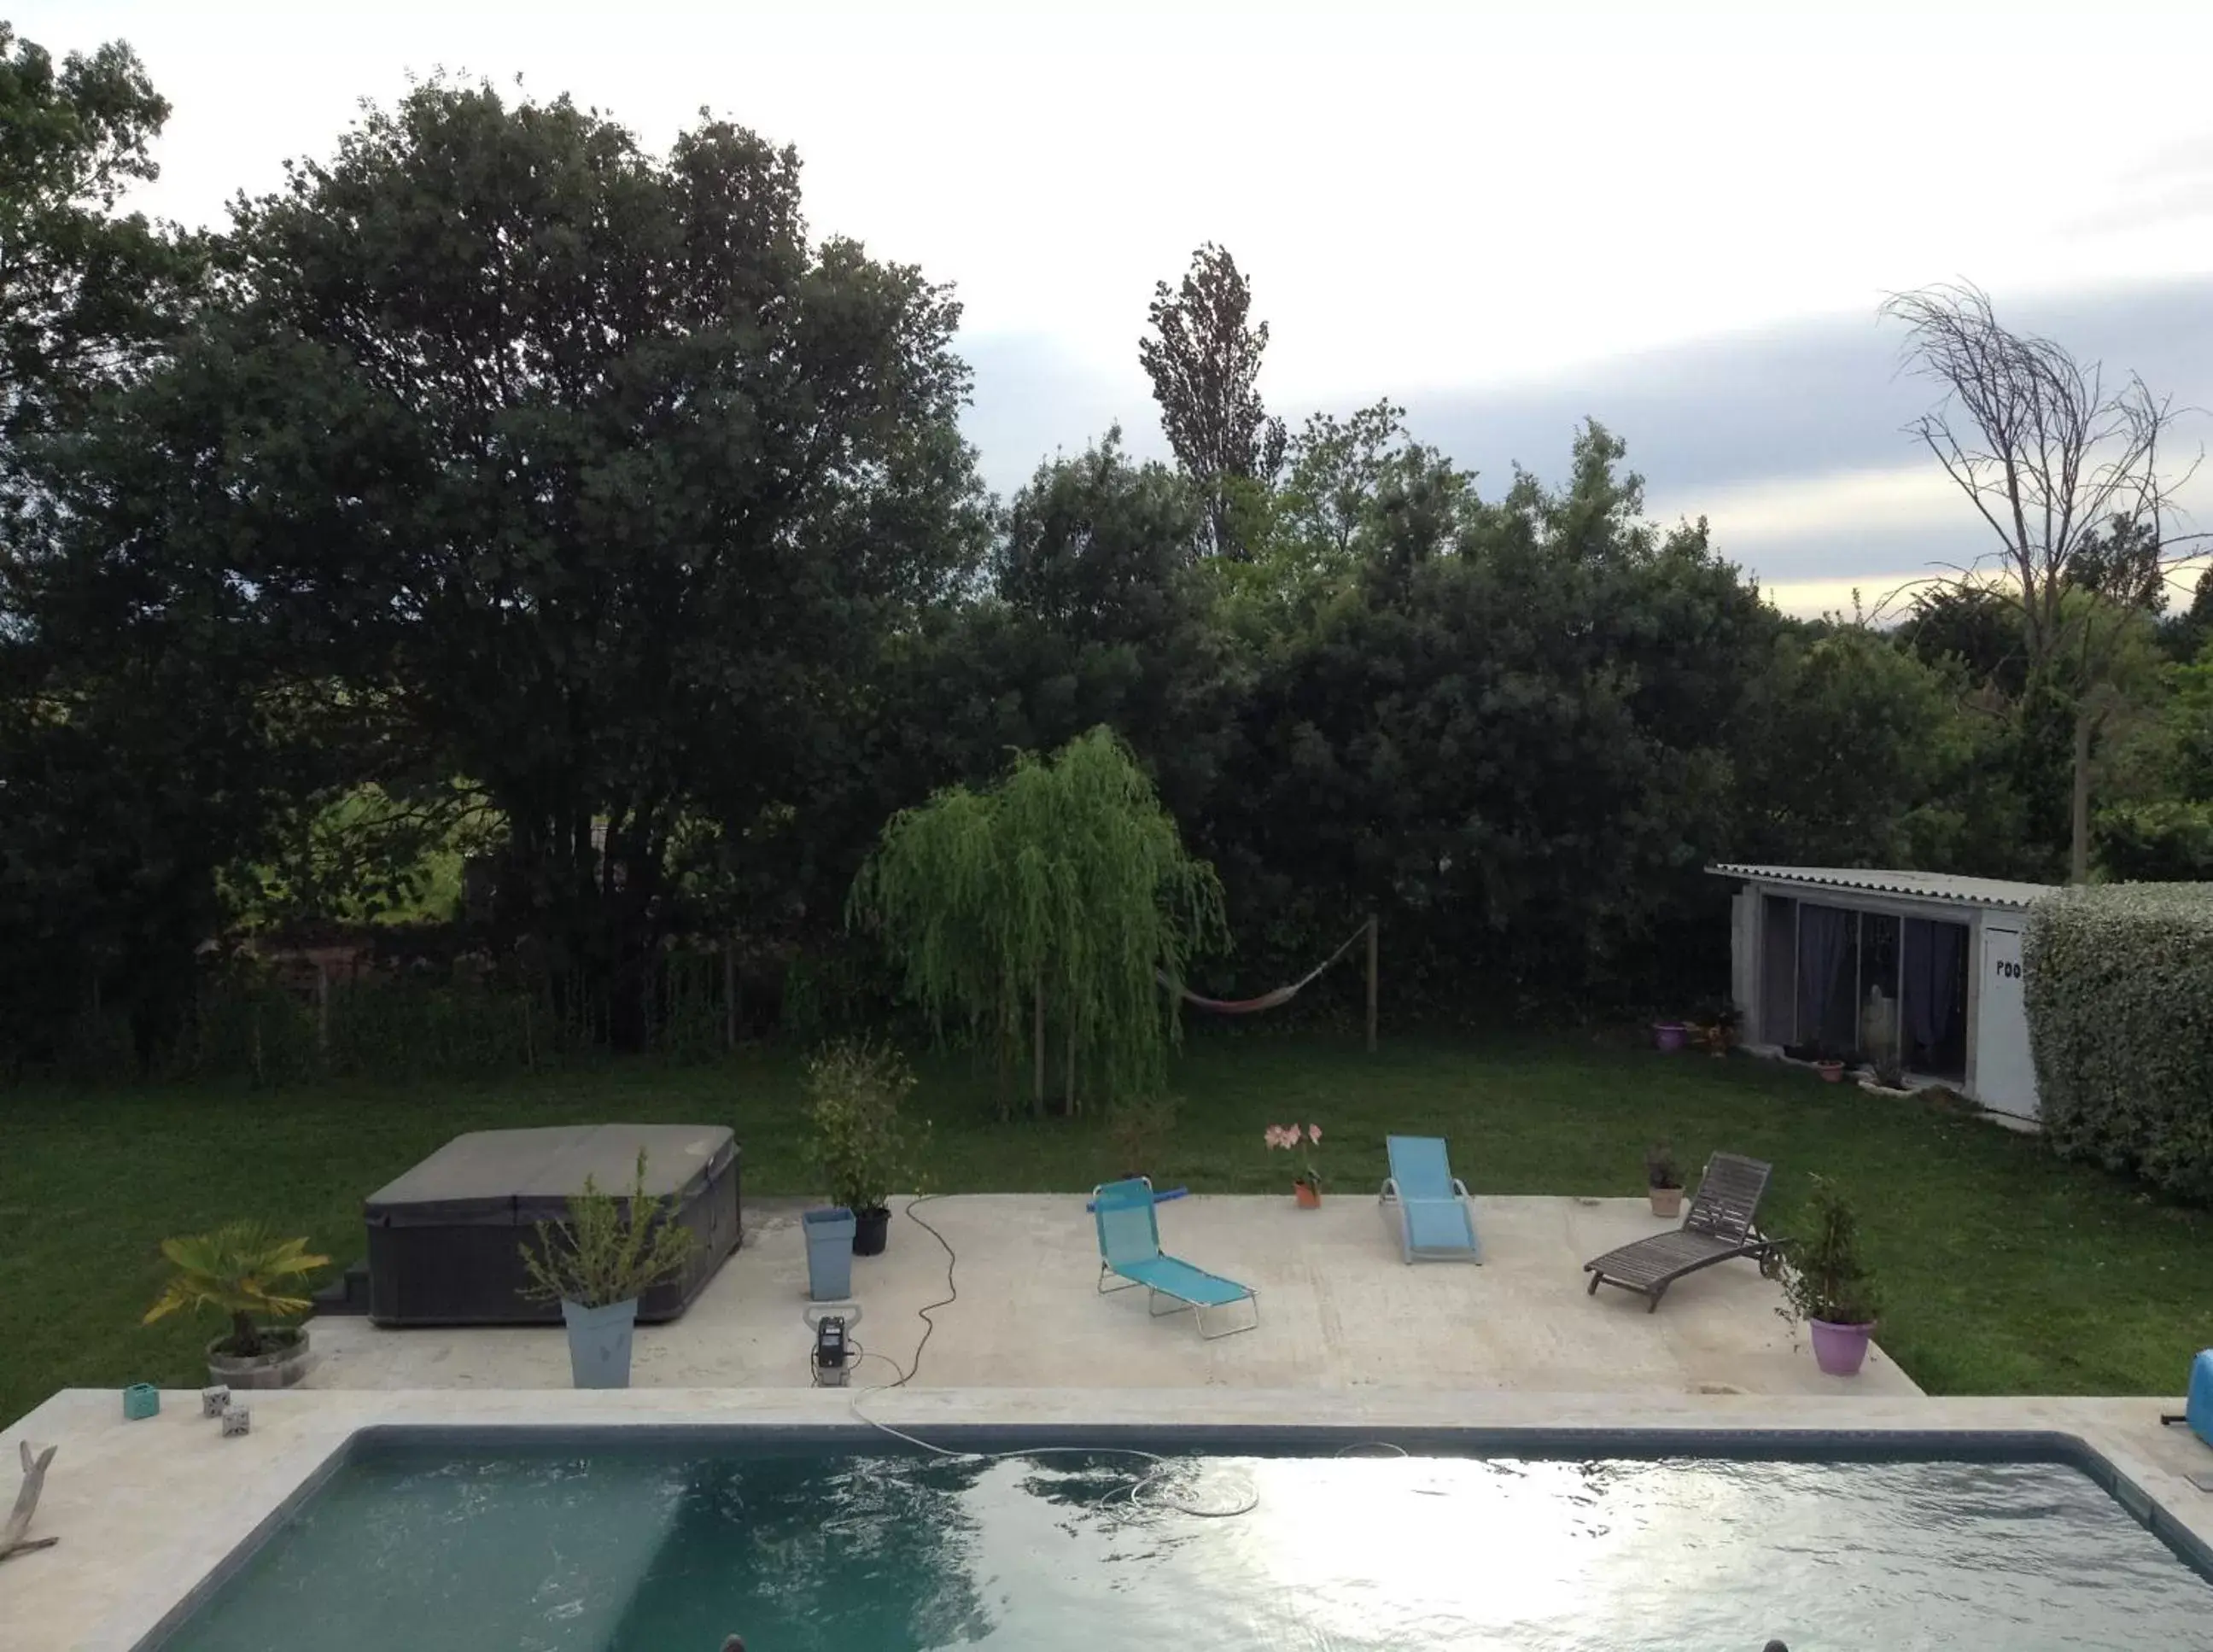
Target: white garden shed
{"points": [[1920, 969]]}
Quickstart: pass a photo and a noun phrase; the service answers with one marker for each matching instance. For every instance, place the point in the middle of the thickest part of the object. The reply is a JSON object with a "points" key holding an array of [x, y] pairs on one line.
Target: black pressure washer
{"points": [[835, 1352]]}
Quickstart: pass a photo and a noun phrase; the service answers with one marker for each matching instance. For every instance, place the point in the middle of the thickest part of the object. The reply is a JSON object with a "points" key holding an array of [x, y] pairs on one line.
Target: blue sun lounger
{"points": [[1130, 1251], [1436, 1223]]}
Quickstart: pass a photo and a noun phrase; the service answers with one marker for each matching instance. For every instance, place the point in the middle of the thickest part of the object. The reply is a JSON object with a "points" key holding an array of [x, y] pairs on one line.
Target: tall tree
{"points": [[584, 466], [2067, 472], [123, 787], [1060, 900], [86, 294], [1203, 359], [1511, 738]]}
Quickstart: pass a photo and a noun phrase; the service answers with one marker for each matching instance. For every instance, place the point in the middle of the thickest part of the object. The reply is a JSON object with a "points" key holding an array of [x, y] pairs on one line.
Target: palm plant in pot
{"points": [[862, 1146], [244, 1271], [1826, 1282], [1663, 1180], [613, 1248]]}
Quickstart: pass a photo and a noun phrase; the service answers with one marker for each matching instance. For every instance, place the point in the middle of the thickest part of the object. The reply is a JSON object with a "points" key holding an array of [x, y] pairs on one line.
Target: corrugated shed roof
{"points": [[1924, 886]]}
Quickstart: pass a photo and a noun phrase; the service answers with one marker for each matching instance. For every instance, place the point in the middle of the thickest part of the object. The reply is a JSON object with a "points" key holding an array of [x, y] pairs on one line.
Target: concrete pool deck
{"points": [[1338, 1311], [1350, 1338]]}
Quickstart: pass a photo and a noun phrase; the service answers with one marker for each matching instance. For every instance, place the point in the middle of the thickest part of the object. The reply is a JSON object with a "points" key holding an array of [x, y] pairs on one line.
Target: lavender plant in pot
{"points": [[612, 1249], [1826, 1282]]}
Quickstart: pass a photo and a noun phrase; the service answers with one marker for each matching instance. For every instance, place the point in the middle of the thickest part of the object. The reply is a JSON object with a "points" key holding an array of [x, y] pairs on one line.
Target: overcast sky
{"points": [[1679, 219]]}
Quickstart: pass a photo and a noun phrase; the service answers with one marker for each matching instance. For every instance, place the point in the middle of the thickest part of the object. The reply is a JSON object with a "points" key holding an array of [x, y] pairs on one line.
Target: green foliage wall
{"points": [[2120, 982], [702, 587]]}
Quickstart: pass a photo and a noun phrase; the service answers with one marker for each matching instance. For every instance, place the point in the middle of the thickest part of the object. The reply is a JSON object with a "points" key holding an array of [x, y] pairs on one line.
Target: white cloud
{"points": [[1424, 194], [1907, 498]]}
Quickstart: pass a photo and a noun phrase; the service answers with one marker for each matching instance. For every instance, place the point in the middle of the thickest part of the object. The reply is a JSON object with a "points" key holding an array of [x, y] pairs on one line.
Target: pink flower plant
{"points": [[1301, 1139]]}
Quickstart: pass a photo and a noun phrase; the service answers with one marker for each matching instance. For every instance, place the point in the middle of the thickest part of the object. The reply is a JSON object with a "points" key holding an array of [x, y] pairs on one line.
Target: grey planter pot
{"points": [[599, 1344], [280, 1368], [829, 1253]]}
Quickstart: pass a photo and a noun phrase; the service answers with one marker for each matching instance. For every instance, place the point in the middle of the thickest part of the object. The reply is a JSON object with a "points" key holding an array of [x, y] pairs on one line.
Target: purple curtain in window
{"points": [[1823, 934], [1933, 952]]}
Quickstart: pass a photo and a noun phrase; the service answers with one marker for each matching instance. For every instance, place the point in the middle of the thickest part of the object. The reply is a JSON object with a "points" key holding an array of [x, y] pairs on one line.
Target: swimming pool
{"points": [[645, 1540]]}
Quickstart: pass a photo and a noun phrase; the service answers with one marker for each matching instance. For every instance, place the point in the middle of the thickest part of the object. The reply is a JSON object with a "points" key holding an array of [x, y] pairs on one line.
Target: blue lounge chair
{"points": [[1130, 1251], [1436, 1221]]}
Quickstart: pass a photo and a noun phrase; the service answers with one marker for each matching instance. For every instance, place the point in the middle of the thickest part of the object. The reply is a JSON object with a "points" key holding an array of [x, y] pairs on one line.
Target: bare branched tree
{"points": [[1204, 360], [2067, 472]]}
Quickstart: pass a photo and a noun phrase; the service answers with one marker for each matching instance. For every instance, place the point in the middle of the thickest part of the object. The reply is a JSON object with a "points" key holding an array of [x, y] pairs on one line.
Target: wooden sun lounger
{"points": [[1720, 1225]]}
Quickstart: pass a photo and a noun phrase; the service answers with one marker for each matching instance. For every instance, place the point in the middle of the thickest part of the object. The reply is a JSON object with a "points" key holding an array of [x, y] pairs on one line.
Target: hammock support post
{"points": [[1371, 983], [1037, 1040]]}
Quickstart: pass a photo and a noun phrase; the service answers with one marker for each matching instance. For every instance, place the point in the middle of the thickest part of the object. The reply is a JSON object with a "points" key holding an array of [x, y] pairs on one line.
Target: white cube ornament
{"points": [[212, 1400], [236, 1419]]}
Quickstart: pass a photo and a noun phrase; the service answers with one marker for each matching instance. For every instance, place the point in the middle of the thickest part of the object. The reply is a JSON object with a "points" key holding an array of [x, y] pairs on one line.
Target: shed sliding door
{"points": [[1828, 978], [1933, 995], [1864, 986]]}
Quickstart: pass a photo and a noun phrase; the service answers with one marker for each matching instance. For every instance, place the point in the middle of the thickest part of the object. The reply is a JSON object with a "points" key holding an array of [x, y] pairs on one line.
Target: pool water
{"points": [[668, 1546]]}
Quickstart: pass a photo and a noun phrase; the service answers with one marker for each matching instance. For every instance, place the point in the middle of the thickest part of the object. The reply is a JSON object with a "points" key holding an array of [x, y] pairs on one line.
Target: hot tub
{"points": [[445, 1239]]}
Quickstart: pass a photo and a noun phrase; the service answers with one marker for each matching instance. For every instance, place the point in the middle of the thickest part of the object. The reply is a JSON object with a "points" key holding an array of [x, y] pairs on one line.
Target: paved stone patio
{"points": [[1349, 1336], [1339, 1310]]}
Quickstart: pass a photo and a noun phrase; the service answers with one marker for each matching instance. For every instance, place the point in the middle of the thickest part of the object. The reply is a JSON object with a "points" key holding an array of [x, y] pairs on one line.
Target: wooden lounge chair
{"points": [[1721, 1225], [1129, 1252]]}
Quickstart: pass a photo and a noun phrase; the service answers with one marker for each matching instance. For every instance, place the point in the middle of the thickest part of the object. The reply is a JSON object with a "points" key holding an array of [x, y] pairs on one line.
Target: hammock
{"points": [[1281, 995]]}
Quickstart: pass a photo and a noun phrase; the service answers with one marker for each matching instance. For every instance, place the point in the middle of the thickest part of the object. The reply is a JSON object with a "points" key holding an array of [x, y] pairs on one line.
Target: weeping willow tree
{"points": [[1057, 902]]}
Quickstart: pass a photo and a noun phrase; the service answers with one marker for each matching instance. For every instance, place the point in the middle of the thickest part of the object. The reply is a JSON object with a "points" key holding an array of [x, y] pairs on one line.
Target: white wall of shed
{"points": [[2002, 1075]]}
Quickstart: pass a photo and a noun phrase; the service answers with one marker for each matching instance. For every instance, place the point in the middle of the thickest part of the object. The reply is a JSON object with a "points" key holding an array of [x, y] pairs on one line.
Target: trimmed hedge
{"points": [[2120, 987]]}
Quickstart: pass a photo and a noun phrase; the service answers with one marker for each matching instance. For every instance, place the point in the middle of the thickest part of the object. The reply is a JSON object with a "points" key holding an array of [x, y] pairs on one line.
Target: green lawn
{"points": [[2005, 1272]]}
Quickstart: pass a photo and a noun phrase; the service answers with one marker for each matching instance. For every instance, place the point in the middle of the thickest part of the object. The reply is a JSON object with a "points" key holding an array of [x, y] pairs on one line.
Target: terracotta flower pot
{"points": [[1667, 1035], [1308, 1195], [1667, 1201], [1833, 1072]]}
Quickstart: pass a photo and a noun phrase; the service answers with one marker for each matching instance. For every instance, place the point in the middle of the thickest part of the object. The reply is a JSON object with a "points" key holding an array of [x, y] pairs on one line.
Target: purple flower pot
{"points": [[1841, 1350], [1668, 1035]]}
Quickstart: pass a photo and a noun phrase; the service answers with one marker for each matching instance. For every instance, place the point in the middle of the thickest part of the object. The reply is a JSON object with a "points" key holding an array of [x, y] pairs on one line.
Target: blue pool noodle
{"points": [[1161, 1198]]}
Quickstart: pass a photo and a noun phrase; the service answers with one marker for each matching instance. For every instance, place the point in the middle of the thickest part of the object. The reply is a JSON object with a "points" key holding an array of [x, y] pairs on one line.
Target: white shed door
{"points": [[2005, 1077]]}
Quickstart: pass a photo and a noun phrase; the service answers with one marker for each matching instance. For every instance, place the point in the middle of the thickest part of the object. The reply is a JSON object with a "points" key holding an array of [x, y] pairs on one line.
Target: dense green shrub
{"points": [[2119, 983]]}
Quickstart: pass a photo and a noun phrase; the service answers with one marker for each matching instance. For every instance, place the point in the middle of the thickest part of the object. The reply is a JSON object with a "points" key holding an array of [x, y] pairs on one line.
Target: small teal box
{"points": [[141, 1399], [2199, 1411]]}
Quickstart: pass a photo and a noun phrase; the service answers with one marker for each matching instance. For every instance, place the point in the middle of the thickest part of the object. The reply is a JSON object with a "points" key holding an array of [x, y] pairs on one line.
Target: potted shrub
{"points": [[1664, 1181], [612, 1249], [1826, 1282], [244, 1271], [861, 1147], [1301, 1139]]}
